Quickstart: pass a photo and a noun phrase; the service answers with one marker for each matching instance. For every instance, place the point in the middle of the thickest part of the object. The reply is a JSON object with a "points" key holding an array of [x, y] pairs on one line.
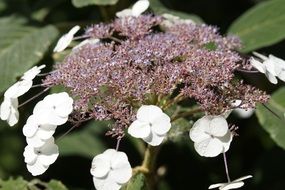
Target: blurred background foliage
{"points": [[28, 32]]}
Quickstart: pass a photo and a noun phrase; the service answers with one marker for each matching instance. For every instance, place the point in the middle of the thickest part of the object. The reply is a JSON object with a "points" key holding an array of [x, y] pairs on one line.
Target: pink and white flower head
{"points": [[110, 170], [151, 125], [211, 136]]}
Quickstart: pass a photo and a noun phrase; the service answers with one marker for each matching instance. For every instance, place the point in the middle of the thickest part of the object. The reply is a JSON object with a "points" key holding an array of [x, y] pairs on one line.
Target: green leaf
{"points": [[86, 142], [159, 8], [21, 47], [83, 3], [19, 184], [55, 185], [261, 26], [274, 125], [138, 181]]}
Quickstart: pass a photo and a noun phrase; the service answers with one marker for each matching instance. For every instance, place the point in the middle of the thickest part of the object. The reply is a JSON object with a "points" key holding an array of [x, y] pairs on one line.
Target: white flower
{"points": [[32, 127], [66, 39], [9, 111], [18, 89], [54, 109], [266, 68], [110, 170], [91, 41], [39, 159], [137, 9], [151, 125], [170, 20], [244, 113], [272, 67], [230, 185], [33, 72], [211, 136]]}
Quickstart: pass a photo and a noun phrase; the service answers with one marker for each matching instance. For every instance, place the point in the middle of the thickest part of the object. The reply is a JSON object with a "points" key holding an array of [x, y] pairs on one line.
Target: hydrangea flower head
{"points": [[110, 170], [211, 136], [66, 39], [151, 125], [38, 159], [235, 184]]}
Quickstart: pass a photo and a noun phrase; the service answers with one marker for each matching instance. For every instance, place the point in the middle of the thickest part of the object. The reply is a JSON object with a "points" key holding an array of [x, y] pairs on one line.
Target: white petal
{"points": [[258, 65], [61, 103], [279, 65], [31, 127], [46, 131], [91, 41], [13, 117], [198, 131], [30, 155], [32, 73], [226, 140], [139, 7], [5, 108], [106, 184], [243, 178], [161, 125], [49, 117], [244, 113], [271, 77], [213, 186], [124, 13], [36, 168], [154, 139], [148, 113], [18, 89], [66, 39], [232, 185], [121, 168], [48, 153], [264, 58], [35, 141], [139, 129], [101, 166], [218, 126], [209, 148], [270, 67]]}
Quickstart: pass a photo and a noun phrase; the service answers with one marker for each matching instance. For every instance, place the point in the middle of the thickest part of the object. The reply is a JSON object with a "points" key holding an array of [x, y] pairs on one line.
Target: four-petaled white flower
{"points": [[151, 125], [137, 9], [271, 66], [110, 170], [211, 135], [54, 109], [39, 159], [230, 185], [66, 39]]}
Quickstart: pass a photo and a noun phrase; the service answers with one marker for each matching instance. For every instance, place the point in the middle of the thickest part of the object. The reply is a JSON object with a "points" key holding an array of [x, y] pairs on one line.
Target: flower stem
{"points": [[226, 167]]}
